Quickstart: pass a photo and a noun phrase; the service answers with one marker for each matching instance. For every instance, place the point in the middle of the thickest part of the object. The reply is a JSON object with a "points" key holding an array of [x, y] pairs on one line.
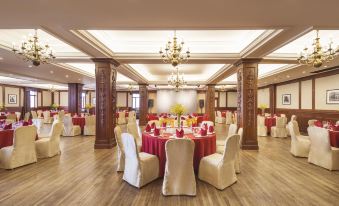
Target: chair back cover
{"points": [[311, 122], [18, 115], [260, 120], [121, 151], [240, 133], [68, 124], [231, 148], [219, 114], [90, 120], [39, 112], [12, 117], [34, 115], [281, 122], [132, 128], [61, 114], [47, 115], [232, 129], [294, 117], [179, 176], [291, 128], [27, 115], [24, 139], [56, 131]]}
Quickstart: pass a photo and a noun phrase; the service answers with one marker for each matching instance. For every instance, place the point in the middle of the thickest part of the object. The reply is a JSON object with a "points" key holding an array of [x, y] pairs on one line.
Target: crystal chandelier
{"points": [[319, 55], [172, 53], [34, 51], [130, 88], [52, 89], [176, 80]]}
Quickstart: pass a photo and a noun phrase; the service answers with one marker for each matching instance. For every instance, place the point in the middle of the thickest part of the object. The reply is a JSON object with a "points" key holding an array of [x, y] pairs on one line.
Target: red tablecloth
{"points": [[269, 122], [117, 114], [79, 121], [3, 117], [204, 146], [334, 138], [6, 138], [200, 119]]}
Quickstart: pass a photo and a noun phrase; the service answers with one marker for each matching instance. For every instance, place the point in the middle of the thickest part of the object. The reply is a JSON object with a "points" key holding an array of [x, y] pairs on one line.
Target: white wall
{"points": [[56, 98], [321, 86], [46, 98], [232, 99], [306, 94], [167, 98], [264, 97], [64, 99], [121, 99], [292, 89], [222, 99]]}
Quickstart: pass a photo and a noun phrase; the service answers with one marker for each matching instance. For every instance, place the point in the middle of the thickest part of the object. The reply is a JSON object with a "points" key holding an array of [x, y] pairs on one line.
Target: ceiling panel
{"points": [[198, 41]]}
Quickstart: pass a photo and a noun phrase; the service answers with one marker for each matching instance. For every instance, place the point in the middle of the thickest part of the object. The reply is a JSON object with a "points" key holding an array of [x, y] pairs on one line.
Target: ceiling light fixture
{"points": [[52, 89], [172, 53], [34, 51], [319, 55], [130, 88], [176, 80]]}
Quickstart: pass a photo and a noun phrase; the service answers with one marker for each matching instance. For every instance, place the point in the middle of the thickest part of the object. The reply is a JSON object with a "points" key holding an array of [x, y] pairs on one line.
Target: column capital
{"points": [[106, 60], [247, 60], [211, 85]]}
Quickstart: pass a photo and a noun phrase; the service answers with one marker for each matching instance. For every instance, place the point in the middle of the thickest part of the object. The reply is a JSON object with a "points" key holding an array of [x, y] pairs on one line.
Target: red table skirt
{"points": [[200, 119], [334, 138], [204, 146], [269, 122], [3, 117], [79, 121], [6, 138]]}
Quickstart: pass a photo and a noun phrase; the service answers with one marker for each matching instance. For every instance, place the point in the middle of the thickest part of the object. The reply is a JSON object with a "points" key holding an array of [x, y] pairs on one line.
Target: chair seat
{"points": [[220, 149], [220, 142], [213, 159]]}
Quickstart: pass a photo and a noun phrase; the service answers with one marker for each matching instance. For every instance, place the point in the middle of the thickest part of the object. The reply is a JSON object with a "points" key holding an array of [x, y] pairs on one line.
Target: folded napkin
{"points": [[203, 132], [334, 128], [164, 124], [189, 116], [211, 129], [8, 126], [156, 132], [148, 128], [318, 123], [153, 125], [180, 133], [182, 118], [205, 126], [25, 123], [194, 124], [165, 116]]}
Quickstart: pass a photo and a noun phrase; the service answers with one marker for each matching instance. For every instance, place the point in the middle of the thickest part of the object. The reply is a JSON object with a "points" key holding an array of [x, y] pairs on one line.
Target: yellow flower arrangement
{"points": [[178, 109], [262, 106], [88, 106], [54, 106]]}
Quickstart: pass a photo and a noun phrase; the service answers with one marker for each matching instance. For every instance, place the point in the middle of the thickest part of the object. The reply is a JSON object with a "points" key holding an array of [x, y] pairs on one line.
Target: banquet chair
{"points": [[280, 129], [218, 169], [121, 118], [121, 152], [18, 116], [235, 118], [140, 168], [232, 129], [293, 117], [300, 147], [267, 114], [11, 118], [22, 152], [61, 115], [34, 115], [179, 178], [237, 156], [47, 117], [311, 122], [228, 117], [132, 128], [282, 115], [219, 118], [70, 130], [39, 112], [49, 147], [157, 123], [132, 116], [321, 152], [262, 129], [209, 123], [89, 128], [27, 116], [337, 123]]}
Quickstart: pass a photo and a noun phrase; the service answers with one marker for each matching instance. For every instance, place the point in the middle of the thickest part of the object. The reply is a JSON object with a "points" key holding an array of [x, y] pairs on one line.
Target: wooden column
{"points": [[272, 90], [74, 97], [143, 107], [27, 101], [105, 108], [210, 102], [247, 72]]}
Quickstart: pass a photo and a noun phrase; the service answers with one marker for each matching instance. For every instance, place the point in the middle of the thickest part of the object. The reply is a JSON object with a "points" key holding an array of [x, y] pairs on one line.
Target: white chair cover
{"points": [[70, 130], [237, 156], [39, 112], [34, 115], [218, 169], [228, 117], [232, 129], [179, 178], [321, 152], [121, 152], [140, 168], [49, 147], [311, 122], [18, 116], [132, 128], [280, 129], [132, 116], [27, 116], [121, 118], [219, 119], [47, 117], [300, 147], [89, 128], [22, 152], [262, 129]]}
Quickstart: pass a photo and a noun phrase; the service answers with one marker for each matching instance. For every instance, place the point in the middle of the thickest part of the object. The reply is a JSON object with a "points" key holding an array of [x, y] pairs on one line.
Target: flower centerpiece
{"points": [[2, 107], [178, 109], [54, 106], [262, 107], [88, 107]]}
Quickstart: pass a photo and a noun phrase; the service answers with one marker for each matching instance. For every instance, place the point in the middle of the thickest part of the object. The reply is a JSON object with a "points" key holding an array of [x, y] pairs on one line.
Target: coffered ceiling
{"points": [[218, 34]]}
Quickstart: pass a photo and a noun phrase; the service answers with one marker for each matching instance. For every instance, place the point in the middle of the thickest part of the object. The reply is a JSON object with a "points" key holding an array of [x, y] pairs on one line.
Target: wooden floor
{"points": [[84, 176]]}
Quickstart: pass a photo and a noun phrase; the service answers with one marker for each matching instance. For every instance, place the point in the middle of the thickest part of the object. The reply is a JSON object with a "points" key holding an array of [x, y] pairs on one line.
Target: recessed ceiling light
{"points": [[52, 72], [288, 76], [30, 66], [1, 58], [79, 79], [66, 76], [325, 66], [304, 72], [275, 79]]}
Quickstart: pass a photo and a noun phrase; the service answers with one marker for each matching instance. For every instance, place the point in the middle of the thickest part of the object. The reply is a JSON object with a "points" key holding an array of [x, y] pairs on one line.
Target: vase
{"points": [[179, 119], [263, 112]]}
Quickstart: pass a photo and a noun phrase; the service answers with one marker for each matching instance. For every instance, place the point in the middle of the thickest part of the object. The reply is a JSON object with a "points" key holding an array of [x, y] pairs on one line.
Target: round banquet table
{"points": [[269, 122], [334, 138], [79, 121], [204, 146]]}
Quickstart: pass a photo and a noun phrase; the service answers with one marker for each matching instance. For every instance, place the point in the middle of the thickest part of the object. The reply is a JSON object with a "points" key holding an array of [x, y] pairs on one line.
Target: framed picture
{"points": [[12, 98], [286, 99], [332, 96]]}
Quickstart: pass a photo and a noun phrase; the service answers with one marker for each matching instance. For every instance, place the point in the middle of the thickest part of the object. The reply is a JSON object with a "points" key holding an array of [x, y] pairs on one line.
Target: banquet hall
{"points": [[169, 103]]}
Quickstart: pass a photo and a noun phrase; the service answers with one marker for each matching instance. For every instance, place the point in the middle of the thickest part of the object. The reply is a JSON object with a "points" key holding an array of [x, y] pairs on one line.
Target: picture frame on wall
{"points": [[12, 98], [332, 96], [286, 99]]}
